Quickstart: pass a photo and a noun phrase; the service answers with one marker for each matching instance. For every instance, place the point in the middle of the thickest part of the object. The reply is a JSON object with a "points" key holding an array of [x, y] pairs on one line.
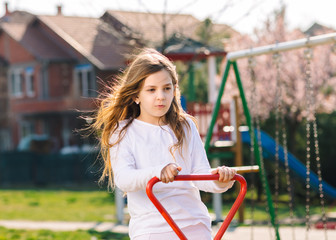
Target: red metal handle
{"points": [[171, 222]]}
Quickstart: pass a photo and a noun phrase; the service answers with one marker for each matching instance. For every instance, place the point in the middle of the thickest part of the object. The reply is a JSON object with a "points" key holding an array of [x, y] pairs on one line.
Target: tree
{"points": [[292, 74], [211, 34]]}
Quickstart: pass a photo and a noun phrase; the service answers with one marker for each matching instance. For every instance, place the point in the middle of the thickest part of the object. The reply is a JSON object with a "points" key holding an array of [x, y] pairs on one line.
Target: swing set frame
{"points": [[231, 59]]}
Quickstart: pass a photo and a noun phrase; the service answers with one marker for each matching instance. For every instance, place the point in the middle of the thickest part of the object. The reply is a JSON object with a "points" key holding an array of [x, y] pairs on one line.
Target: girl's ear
{"points": [[136, 100]]}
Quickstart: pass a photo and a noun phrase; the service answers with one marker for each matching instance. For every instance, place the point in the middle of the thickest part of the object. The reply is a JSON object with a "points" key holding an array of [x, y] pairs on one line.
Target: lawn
{"points": [[14, 234], [58, 204], [98, 206]]}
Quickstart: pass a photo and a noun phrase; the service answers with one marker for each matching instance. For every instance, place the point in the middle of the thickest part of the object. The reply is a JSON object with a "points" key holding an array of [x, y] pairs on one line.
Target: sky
{"points": [[242, 15]]}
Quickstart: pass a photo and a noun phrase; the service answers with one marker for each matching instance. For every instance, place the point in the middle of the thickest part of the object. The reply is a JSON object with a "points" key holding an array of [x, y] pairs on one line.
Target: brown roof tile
{"points": [[93, 38], [18, 17], [37, 43], [149, 25], [96, 40]]}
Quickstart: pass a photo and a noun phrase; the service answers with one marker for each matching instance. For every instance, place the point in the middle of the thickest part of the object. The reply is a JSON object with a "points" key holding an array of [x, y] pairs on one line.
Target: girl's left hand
{"points": [[225, 173]]}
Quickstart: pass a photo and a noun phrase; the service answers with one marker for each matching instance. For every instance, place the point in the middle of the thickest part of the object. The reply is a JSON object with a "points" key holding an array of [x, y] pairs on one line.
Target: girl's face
{"points": [[155, 97]]}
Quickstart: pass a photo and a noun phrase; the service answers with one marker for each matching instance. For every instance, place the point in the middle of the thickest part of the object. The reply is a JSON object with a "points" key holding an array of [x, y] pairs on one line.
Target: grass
{"points": [[14, 234], [60, 205], [260, 213], [98, 206]]}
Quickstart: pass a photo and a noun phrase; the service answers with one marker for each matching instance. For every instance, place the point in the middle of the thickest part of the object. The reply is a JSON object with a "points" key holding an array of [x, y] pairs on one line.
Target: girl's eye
{"points": [[151, 90], [167, 88]]}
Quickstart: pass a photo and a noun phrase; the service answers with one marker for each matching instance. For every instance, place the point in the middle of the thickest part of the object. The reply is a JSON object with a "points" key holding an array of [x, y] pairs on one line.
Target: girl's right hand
{"points": [[169, 172]]}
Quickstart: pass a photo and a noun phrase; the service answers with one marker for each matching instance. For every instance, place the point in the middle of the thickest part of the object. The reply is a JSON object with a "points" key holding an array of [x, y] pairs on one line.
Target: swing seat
{"points": [[171, 222]]}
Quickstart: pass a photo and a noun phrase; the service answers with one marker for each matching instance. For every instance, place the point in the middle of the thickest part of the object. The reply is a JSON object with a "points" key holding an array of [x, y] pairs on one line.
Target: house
{"points": [[49, 66], [155, 29], [317, 29]]}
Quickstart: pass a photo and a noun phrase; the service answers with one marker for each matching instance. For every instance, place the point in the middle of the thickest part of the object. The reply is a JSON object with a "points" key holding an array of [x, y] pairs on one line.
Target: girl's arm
{"points": [[126, 176]]}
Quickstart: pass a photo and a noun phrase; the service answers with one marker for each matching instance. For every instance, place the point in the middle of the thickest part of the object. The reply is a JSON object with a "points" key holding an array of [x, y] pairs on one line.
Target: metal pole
{"points": [[216, 108], [212, 79], [283, 46], [120, 204], [256, 151], [191, 84], [248, 119], [217, 197], [238, 151], [229, 216]]}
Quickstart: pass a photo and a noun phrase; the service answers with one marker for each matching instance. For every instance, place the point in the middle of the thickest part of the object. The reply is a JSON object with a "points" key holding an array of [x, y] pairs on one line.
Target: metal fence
{"points": [[29, 168]]}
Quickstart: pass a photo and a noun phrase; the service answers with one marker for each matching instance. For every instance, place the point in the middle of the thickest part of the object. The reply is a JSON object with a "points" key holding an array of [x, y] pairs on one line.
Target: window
{"points": [[22, 79], [30, 84], [27, 128], [17, 83], [85, 79], [5, 140]]}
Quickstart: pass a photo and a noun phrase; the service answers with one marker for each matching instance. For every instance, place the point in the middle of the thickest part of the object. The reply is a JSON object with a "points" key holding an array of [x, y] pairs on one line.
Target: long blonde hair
{"points": [[119, 105]]}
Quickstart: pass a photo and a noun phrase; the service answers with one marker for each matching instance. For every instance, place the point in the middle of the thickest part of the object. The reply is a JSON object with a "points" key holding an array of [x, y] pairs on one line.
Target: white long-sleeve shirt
{"points": [[140, 156]]}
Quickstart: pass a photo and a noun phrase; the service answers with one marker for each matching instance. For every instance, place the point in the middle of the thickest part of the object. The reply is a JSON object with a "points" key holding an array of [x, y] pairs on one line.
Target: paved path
{"points": [[286, 233], [233, 233]]}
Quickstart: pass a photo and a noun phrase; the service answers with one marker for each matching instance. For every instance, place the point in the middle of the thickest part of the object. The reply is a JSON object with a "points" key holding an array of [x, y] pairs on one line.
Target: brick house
{"points": [[156, 29], [49, 67]]}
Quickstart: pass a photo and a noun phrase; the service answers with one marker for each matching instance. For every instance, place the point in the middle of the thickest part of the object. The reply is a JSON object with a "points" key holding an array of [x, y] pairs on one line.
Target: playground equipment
{"points": [[255, 142], [312, 143], [295, 165], [257, 139], [280, 131], [227, 142], [171, 222]]}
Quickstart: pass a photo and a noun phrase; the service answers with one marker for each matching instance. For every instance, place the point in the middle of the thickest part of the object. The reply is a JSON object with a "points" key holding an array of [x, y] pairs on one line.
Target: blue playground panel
{"points": [[299, 169]]}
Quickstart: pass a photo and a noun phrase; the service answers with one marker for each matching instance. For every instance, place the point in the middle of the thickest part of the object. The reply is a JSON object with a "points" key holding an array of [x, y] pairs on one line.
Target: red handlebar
{"points": [[171, 222]]}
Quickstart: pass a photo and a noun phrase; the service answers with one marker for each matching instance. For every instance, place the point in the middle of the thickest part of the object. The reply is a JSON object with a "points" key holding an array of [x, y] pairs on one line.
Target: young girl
{"points": [[145, 133]]}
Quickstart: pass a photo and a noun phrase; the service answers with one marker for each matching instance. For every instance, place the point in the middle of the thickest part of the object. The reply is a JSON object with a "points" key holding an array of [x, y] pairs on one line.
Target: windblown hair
{"points": [[119, 105]]}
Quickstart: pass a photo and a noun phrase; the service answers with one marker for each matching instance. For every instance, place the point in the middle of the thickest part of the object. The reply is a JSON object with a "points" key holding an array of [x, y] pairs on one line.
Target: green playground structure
{"points": [[232, 63]]}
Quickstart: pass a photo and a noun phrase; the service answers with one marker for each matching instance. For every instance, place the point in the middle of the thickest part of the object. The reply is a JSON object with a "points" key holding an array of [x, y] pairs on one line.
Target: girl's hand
{"points": [[225, 173], [169, 172]]}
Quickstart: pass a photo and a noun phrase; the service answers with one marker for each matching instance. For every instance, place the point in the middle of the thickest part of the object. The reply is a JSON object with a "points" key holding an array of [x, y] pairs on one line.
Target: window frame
{"points": [[30, 81], [16, 82], [27, 128], [84, 75]]}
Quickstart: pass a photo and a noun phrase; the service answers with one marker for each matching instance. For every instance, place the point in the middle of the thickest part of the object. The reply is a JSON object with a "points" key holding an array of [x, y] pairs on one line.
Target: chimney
{"points": [[59, 9], [6, 9]]}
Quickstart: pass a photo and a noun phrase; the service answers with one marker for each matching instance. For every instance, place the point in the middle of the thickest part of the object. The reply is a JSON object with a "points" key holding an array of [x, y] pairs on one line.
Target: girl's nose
{"points": [[160, 95]]}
